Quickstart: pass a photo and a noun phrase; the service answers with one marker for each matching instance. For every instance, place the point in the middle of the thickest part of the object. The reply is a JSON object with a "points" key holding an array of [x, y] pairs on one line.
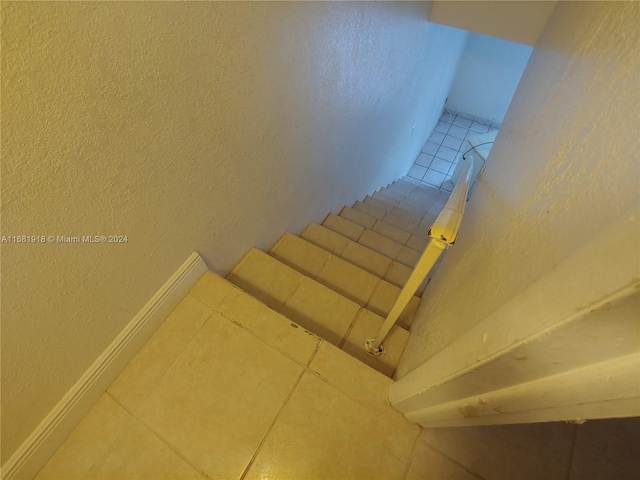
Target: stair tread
{"points": [[264, 322], [383, 227], [361, 218], [351, 281], [286, 335], [410, 204], [315, 306], [369, 210], [418, 225], [379, 204], [358, 254], [343, 226], [374, 239]]}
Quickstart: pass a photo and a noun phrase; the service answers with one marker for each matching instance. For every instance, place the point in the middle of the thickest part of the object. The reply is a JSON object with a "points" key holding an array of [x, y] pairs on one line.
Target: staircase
{"points": [[340, 279]]}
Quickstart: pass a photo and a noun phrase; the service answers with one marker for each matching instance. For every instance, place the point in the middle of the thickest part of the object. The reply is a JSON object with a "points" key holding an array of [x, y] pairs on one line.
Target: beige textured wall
{"points": [[185, 126], [565, 165]]}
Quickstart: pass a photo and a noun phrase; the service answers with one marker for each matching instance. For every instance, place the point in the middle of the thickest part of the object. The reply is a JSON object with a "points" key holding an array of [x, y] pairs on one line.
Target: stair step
{"points": [[416, 206], [416, 241], [406, 223], [343, 226], [265, 278], [369, 210], [361, 218], [355, 283], [394, 344], [388, 198], [400, 187], [373, 240], [379, 204], [316, 307], [389, 231], [398, 217], [406, 187], [364, 257], [380, 226]]}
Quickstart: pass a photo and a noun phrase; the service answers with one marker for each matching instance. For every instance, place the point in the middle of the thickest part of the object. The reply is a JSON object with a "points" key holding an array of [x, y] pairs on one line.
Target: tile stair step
{"points": [[369, 210], [389, 197], [406, 215], [344, 227], [398, 217], [364, 257], [355, 283], [425, 207], [410, 182], [401, 187], [372, 223], [379, 204], [409, 204], [361, 218], [427, 198], [391, 232], [431, 192], [409, 179], [319, 309], [401, 223], [416, 241], [373, 240]]}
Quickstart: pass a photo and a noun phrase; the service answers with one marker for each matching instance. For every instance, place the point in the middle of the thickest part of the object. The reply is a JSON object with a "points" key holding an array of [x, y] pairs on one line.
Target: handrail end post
{"points": [[373, 347]]}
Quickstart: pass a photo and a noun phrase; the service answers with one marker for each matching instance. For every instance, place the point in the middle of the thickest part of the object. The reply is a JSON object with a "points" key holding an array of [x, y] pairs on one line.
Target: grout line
{"points": [[256, 335], [278, 415], [315, 351], [343, 340], [410, 461], [572, 449], [453, 460], [166, 442], [159, 379]]}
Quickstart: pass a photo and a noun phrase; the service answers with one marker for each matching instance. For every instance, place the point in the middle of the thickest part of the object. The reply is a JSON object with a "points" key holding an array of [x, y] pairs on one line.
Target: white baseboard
{"points": [[36, 450]]}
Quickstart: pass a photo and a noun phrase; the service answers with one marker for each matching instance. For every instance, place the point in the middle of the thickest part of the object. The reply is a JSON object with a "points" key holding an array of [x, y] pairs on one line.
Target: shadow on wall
{"points": [[594, 450]]}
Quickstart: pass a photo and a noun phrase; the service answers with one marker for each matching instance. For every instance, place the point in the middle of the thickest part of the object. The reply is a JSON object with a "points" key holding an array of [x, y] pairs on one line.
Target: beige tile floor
{"points": [[229, 389]]}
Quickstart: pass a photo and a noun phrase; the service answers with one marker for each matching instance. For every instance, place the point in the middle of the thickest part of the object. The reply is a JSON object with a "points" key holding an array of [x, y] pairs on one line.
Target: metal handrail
{"points": [[442, 234]]}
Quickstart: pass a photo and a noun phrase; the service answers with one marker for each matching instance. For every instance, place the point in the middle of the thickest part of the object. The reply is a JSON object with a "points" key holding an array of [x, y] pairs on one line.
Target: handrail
{"points": [[443, 233]]}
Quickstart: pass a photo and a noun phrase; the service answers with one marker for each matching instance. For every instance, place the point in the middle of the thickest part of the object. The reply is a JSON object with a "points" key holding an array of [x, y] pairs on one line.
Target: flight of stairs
{"points": [[340, 279]]}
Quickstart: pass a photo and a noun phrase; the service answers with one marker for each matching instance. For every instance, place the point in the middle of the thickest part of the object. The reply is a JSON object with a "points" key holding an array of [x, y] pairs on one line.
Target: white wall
{"points": [[565, 165], [487, 77], [208, 126]]}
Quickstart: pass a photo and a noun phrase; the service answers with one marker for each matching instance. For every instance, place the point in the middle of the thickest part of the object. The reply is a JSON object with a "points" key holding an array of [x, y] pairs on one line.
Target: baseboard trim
{"points": [[27, 461]]}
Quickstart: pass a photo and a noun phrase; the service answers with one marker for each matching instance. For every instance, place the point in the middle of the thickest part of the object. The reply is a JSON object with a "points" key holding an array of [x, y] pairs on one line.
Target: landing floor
{"points": [[446, 144], [229, 389]]}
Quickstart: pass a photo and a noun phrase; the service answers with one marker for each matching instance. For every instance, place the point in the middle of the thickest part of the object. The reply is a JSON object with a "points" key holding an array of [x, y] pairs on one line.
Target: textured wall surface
{"points": [[565, 165], [185, 126], [488, 75]]}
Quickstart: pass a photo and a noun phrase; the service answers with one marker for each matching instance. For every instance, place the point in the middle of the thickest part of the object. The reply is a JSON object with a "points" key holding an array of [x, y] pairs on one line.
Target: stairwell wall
{"points": [[208, 126], [564, 167]]}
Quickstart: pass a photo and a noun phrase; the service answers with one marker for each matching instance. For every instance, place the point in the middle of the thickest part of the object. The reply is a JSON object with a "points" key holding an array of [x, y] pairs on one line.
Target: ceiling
{"points": [[517, 21]]}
